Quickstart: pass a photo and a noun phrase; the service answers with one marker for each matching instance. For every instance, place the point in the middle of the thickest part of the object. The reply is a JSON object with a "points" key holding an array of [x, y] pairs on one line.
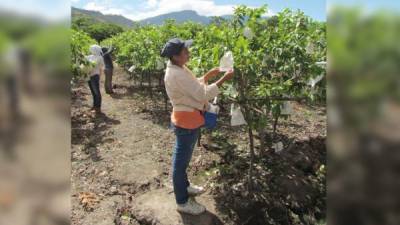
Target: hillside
{"points": [[99, 17], [179, 17]]}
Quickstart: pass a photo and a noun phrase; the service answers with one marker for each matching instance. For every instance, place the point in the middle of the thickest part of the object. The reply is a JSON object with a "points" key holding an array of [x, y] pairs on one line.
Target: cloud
{"points": [[151, 3], [203, 7], [46, 9], [151, 8], [104, 9]]}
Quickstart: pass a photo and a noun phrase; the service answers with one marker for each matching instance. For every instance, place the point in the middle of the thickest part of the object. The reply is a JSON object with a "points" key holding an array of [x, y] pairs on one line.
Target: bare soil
{"points": [[123, 158]]}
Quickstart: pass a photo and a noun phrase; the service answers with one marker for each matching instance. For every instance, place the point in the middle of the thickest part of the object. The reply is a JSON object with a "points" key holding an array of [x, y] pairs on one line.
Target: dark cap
{"points": [[174, 47]]}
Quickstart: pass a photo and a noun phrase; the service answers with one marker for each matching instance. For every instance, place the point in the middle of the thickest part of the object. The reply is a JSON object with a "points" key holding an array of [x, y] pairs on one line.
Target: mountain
{"points": [[179, 17], [100, 17], [227, 17]]}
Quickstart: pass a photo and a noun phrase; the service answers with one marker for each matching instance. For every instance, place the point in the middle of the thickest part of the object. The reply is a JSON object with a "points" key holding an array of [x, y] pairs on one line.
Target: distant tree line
{"points": [[95, 29]]}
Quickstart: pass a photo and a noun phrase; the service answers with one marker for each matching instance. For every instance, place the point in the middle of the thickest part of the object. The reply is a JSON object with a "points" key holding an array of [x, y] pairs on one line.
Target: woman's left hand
{"points": [[210, 74], [215, 71]]}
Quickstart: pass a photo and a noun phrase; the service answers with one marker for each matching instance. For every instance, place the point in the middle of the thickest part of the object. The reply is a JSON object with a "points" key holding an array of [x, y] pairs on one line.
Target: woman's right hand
{"points": [[215, 70], [210, 74], [229, 74]]}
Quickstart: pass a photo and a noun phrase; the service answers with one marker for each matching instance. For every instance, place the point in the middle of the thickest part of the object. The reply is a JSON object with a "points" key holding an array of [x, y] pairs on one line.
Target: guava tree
{"points": [[275, 59], [80, 43]]}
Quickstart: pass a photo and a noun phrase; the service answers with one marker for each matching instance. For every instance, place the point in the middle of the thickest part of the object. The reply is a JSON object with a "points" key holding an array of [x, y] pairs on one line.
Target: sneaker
{"points": [[95, 110], [195, 190], [191, 207]]}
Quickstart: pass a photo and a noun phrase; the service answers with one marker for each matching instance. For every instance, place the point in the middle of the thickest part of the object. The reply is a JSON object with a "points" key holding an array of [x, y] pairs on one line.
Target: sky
{"points": [[141, 9], [369, 4], [47, 9]]}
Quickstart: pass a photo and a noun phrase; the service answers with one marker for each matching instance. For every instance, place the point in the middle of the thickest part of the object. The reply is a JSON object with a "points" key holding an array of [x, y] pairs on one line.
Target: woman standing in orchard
{"points": [[189, 97]]}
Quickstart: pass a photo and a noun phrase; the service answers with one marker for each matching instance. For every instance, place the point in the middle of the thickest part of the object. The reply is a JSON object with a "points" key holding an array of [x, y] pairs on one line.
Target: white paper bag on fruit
{"points": [[310, 48], [237, 117], [213, 108], [226, 62], [286, 108], [132, 68], [313, 82], [264, 60], [278, 147], [160, 64], [248, 33]]}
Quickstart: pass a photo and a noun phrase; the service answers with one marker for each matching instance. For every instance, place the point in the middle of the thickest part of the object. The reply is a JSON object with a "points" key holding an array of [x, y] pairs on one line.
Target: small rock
{"points": [[103, 173], [113, 190]]}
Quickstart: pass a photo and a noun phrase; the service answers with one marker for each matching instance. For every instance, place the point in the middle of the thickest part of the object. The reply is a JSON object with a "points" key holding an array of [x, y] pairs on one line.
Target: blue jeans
{"points": [[184, 145], [94, 85]]}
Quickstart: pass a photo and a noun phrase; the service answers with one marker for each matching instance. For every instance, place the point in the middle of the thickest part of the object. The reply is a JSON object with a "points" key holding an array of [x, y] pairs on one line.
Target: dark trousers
{"points": [[13, 96], [94, 85], [184, 145], [108, 82]]}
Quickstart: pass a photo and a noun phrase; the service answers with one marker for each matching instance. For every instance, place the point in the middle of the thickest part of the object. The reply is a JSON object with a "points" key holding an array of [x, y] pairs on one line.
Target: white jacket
{"points": [[96, 57], [185, 91]]}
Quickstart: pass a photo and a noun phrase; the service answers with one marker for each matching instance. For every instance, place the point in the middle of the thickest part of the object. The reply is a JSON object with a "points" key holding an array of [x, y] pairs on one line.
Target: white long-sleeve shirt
{"points": [[185, 91], [98, 64]]}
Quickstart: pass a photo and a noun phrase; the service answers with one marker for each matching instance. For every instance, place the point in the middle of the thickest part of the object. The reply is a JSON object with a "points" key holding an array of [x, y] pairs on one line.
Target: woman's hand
{"points": [[227, 76], [212, 73]]}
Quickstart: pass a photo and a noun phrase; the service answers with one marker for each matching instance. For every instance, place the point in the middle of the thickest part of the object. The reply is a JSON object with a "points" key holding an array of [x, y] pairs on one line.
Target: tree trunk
{"points": [[250, 175], [160, 80], [165, 101], [262, 134], [199, 139], [247, 116], [141, 79], [135, 80], [149, 84], [275, 125]]}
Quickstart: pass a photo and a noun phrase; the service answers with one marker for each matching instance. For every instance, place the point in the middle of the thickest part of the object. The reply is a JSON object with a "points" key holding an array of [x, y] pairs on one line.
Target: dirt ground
{"points": [[34, 156], [121, 165]]}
